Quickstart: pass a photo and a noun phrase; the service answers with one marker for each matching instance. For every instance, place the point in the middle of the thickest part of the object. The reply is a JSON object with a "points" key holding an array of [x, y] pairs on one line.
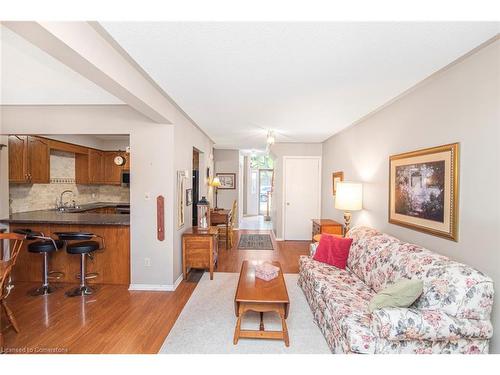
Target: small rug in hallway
{"points": [[206, 324], [255, 242]]}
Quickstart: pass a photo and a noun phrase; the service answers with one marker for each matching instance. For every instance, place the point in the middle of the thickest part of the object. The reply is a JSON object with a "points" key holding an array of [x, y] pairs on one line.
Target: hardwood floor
{"points": [[116, 320], [286, 252]]}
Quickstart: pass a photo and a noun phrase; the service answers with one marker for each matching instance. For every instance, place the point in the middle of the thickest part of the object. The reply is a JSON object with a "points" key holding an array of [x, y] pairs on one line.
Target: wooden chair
{"points": [[5, 287], [232, 225]]}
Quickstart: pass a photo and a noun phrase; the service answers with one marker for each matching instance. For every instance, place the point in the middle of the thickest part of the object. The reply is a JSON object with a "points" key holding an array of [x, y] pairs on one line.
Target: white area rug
{"points": [[206, 324]]}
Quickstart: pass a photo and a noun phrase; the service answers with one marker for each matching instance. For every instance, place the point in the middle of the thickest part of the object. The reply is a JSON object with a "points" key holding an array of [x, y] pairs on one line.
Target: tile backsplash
{"points": [[24, 197]]}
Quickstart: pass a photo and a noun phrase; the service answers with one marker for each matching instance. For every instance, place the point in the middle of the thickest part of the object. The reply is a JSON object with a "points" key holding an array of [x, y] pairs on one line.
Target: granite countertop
{"points": [[78, 216]]}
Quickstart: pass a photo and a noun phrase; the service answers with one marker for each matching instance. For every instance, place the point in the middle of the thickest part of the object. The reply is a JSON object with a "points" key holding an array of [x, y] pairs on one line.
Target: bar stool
{"points": [[43, 245], [84, 248]]}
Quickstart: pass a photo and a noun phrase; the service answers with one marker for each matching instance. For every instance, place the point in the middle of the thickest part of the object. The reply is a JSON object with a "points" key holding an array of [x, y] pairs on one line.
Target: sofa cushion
{"points": [[400, 294], [346, 298], [333, 251]]}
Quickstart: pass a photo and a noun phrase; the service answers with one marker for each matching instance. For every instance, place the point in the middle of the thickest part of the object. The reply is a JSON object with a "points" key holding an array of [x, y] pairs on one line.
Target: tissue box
{"points": [[266, 271]]}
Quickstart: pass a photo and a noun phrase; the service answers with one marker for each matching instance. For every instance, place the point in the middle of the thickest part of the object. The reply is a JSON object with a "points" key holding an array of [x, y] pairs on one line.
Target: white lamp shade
{"points": [[349, 196], [216, 182]]}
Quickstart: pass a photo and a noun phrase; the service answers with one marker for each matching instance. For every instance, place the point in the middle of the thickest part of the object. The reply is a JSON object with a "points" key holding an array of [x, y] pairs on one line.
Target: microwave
{"points": [[125, 181]]}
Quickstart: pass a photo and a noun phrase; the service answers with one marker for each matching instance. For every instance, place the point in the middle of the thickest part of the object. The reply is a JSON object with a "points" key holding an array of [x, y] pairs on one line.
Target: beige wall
{"points": [[227, 161], [278, 151], [459, 104], [188, 136]]}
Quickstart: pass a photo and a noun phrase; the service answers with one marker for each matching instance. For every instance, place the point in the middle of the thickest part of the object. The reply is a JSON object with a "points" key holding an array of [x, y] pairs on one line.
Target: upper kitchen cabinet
{"points": [[126, 156], [99, 168], [38, 160], [29, 160], [18, 158], [89, 167], [96, 166], [112, 171]]}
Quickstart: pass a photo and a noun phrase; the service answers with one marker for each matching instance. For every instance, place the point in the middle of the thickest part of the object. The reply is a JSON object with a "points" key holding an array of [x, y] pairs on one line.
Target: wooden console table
{"points": [[326, 226], [199, 250]]}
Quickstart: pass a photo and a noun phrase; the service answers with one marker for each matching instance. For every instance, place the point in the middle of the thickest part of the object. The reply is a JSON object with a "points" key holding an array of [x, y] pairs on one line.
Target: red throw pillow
{"points": [[333, 250]]}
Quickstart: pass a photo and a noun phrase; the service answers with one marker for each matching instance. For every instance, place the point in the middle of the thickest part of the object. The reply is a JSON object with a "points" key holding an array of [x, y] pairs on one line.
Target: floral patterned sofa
{"points": [[451, 316]]}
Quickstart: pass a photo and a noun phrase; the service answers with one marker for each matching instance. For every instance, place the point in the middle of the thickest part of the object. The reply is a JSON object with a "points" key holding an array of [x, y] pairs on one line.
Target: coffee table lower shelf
{"points": [[280, 308]]}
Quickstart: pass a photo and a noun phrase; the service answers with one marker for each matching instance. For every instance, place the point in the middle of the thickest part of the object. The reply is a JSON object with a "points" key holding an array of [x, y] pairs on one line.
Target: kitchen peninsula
{"points": [[112, 264]]}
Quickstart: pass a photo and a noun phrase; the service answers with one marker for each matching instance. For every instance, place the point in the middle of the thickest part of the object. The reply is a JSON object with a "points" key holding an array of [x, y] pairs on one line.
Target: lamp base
{"points": [[216, 196], [347, 222]]}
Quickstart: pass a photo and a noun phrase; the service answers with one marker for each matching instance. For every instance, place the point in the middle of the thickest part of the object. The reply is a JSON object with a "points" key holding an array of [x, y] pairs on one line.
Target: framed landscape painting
{"points": [[227, 180], [423, 190]]}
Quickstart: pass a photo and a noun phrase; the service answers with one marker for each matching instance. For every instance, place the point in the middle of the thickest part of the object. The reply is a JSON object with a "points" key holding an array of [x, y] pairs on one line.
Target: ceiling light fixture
{"points": [[270, 137]]}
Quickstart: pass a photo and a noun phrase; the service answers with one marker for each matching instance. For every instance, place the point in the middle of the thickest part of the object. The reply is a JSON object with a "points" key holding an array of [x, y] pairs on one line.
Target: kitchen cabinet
{"points": [[38, 160], [112, 172], [126, 156], [29, 160], [89, 167], [96, 166]]}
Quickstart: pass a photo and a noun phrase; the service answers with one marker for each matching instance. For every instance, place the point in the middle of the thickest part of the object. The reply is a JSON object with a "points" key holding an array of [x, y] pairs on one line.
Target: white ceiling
{"points": [[306, 81], [29, 75]]}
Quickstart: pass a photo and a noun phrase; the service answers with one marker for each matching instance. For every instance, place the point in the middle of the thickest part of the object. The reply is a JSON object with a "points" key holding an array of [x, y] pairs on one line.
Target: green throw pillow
{"points": [[400, 294]]}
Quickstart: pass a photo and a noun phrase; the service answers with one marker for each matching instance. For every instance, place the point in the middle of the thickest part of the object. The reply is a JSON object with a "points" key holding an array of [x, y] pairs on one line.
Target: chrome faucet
{"points": [[61, 204]]}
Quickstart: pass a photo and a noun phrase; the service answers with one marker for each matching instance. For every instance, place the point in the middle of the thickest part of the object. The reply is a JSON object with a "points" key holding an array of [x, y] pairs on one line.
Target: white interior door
{"points": [[302, 190]]}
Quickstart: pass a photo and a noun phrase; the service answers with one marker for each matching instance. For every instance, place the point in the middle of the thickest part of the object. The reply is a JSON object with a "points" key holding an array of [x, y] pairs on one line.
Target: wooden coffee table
{"points": [[254, 294]]}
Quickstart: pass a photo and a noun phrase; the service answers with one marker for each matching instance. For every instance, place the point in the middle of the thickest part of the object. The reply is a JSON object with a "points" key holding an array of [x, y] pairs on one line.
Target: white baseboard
{"points": [[178, 281], [279, 239], [157, 287]]}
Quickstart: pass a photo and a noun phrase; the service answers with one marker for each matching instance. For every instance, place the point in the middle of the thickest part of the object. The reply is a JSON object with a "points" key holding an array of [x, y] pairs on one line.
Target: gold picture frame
{"points": [[336, 177], [423, 190]]}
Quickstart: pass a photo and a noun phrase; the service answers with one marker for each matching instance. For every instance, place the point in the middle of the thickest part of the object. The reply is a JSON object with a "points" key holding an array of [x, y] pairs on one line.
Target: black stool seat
{"points": [[82, 247], [45, 246], [74, 236], [30, 234]]}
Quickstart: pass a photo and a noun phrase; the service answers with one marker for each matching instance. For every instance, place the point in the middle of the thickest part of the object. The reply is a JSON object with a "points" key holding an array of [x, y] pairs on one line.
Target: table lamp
{"points": [[349, 197], [215, 184]]}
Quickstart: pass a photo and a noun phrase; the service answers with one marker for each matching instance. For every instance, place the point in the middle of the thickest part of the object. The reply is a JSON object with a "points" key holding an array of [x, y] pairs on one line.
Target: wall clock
{"points": [[119, 160]]}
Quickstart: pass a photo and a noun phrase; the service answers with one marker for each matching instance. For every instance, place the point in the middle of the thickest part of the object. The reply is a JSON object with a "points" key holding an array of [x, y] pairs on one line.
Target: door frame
{"points": [[283, 188], [267, 170]]}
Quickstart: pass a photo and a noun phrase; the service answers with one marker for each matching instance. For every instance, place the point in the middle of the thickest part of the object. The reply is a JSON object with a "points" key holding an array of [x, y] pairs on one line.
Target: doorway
{"points": [[265, 189], [301, 195], [196, 185], [258, 192]]}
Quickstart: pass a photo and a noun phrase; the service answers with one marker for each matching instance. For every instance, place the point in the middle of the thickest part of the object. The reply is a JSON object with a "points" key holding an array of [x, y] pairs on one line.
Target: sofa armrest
{"points": [[434, 325]]}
